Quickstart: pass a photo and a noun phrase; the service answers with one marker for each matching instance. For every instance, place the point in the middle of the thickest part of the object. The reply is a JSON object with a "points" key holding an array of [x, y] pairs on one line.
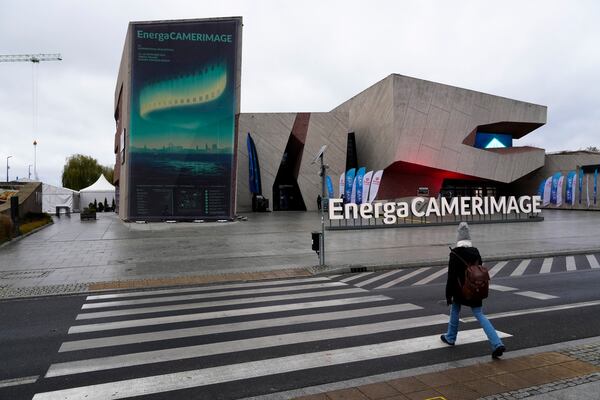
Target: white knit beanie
{"points": [[462, 233]]}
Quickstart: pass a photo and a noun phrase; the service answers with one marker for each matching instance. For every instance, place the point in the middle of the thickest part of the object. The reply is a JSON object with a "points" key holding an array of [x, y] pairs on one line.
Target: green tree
{"points": [[592, 148], [81, 171]]}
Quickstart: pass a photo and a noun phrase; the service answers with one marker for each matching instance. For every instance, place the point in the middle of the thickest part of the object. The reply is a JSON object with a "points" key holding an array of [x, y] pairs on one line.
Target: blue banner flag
{"points": [[251, 165], [595, 184], [349, 181], [541, 189], [580, 184], [359, 184], [553, 193], [571, 187], [329, 187]]}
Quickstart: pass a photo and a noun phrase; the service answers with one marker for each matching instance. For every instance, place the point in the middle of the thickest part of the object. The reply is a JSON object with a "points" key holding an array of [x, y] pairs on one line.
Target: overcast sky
{"points": [[300, 56]]}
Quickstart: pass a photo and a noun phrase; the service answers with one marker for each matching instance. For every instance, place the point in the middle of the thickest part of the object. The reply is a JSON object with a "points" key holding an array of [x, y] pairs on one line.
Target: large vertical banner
{"points": [[184, 98]]}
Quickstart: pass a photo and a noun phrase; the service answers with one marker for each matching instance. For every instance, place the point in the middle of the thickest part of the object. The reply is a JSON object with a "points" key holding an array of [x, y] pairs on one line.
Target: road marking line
{"points": [[521, 268], [537, 295], [496, 268], [144, 293], [402, 278], [334, 276], [168, 299], [19, 381], [355, 277], [103, 326], [546, 266], [233, 327], [536, 310], [571, 263], [254, 369], [431, 277], [593, 261], [262, 342], [501, 288], [212, 304], [376, 278]]}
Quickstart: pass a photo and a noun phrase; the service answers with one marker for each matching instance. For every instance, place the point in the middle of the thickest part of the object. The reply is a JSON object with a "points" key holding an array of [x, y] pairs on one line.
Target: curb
{"points": [[353, 268], [27, 292]]}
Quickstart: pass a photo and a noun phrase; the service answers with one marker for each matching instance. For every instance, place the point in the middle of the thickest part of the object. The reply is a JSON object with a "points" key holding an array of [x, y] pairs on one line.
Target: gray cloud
{"points": [[307, 56]]}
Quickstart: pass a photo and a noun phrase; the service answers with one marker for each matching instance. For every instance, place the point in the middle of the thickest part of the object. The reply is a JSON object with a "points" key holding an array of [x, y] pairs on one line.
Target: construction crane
{"points": [[35, 60]]}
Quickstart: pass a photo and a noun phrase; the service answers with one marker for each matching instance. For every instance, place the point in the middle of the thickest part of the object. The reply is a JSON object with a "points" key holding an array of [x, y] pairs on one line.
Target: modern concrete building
{"points": [[422, 134], [428, 138]]}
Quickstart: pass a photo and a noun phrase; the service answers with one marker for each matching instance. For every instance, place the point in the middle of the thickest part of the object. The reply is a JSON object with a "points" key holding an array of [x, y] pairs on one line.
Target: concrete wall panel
{"points": [[270, 133]]}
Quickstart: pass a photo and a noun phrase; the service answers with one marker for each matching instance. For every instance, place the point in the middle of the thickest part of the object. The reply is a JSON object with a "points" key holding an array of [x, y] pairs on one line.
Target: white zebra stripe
{"points": [[546, 266], [431, 277], [212, 304], [355, 277], [536, 295], [376, 278], [501, 288], [570, 261], [103, 326], [402, 278], [521, 268], [254, 369], [144, 293], [204, 350], [593, 261], [497, 268], [232, 327], [212, 296]]}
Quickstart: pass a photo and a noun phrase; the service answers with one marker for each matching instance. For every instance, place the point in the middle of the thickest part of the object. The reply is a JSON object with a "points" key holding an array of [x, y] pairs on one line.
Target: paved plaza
{"points": [[72, 252]]}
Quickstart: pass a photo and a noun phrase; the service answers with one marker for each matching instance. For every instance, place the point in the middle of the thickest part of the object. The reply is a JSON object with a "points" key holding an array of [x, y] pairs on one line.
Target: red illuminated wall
{"points": [[402, 179]]}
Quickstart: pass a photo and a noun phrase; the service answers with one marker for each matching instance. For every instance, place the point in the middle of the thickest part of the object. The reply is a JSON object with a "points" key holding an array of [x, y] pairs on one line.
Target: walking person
{"points": [[464, 252]]}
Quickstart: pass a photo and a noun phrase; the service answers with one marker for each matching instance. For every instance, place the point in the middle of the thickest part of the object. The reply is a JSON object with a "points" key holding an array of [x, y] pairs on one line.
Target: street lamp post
{"points": [[35, 159], [323, 175], [7, 167], [29, 173]]}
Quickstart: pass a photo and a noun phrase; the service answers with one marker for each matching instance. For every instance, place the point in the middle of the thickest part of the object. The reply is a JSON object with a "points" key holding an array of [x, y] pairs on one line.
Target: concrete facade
{"points": [[419, 132]]}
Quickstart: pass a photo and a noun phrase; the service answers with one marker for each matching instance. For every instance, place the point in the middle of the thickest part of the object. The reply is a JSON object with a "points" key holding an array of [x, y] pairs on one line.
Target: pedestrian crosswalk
{"points": [[437, 275], [182, 342]]}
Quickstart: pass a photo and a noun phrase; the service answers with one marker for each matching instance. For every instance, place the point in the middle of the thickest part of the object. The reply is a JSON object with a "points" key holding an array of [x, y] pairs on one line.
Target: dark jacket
{"points": [[456, 274]]}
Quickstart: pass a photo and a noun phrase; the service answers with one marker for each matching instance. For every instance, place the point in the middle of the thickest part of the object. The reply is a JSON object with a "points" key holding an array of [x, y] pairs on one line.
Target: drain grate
{"points": [[358, 269]]}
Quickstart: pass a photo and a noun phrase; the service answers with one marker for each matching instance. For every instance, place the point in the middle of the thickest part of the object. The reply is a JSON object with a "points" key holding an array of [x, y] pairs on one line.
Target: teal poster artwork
{"points": [[183, 107]]}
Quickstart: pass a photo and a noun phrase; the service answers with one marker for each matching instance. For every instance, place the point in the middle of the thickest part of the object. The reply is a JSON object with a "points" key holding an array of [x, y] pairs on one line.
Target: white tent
{"points": [[99, 190], [53, 196]]}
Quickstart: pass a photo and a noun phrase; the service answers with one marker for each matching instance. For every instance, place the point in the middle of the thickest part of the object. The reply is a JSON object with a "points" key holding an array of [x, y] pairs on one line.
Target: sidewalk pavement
{"points": [[567, 373], [71, 256]]}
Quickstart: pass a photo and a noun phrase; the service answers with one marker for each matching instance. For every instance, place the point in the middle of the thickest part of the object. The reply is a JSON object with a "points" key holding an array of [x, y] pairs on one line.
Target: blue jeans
{"points": [[488, 328]]}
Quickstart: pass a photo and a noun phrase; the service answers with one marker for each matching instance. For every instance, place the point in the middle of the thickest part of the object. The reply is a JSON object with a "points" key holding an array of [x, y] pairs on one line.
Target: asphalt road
{"points": [[242, 340]]}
